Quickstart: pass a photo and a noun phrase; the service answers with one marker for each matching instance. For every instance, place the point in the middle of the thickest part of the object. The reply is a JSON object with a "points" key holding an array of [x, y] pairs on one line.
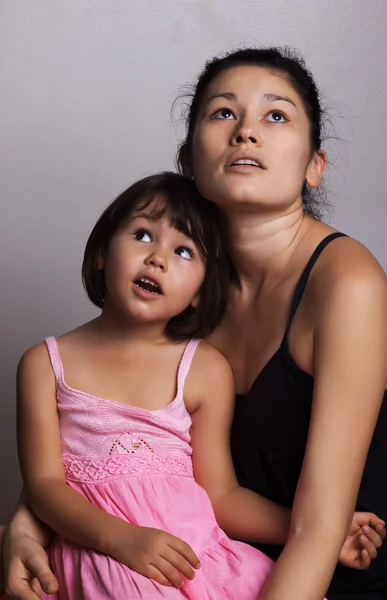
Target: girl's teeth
{"points": [[149, 284]]}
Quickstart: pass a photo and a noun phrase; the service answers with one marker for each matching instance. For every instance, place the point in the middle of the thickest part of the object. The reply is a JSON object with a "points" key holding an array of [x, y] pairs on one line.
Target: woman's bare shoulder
{"points": [[347, 265]]}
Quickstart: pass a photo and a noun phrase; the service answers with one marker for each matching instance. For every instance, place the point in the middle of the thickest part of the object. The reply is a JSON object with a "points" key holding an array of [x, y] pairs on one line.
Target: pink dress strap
{"points": [[185, 364], [55, 359]]}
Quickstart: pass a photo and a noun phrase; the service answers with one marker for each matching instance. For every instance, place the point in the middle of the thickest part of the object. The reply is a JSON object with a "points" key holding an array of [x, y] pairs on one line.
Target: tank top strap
{"points": [[185, 363], [55, 359], [303, 280]]}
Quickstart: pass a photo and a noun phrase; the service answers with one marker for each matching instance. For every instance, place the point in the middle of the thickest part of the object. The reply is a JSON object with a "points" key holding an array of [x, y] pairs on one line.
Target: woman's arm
{"points": [[243, 514], [350, 364], [62, 508], [26, 568]]}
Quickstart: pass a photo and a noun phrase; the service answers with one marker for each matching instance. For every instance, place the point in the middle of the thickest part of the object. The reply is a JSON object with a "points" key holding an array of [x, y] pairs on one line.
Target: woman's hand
{"points": [[26, 569], [365, 536]]}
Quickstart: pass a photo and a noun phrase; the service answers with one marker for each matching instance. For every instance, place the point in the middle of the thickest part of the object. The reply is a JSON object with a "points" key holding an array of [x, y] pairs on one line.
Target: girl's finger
{"points": [[372, 535], [368, 546], [365, 559], [381, 530], [179, 563], [168, 571]]}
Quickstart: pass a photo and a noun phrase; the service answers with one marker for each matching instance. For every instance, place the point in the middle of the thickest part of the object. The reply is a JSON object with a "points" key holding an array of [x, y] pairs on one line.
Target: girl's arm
{"points": [[55, 503], [241, 513], [350, 372], [66, 511]]}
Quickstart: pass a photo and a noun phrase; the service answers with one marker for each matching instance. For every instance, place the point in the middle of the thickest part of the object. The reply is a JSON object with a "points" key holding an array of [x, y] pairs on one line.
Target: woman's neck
{"points": [[262, 245]]}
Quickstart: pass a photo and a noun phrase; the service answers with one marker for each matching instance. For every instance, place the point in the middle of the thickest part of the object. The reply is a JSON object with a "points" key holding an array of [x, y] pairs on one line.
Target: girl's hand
{"points": [[365, 536], [26, 568], [157, 555]]}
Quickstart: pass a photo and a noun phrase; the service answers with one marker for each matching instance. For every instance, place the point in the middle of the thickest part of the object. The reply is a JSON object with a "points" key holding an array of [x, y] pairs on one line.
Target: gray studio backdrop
{"points": [[86, 89]]}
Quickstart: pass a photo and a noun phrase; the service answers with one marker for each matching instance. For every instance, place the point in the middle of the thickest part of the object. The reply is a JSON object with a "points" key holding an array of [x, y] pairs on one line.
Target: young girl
{"points": [[116, 417]]}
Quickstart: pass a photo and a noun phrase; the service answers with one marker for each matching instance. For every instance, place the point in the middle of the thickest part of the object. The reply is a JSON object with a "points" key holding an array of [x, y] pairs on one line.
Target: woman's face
{"points": [[251, 144]]}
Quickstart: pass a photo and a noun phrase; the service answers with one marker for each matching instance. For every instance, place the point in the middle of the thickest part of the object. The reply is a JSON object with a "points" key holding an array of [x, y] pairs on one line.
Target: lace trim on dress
{"points": [[120, 465]]}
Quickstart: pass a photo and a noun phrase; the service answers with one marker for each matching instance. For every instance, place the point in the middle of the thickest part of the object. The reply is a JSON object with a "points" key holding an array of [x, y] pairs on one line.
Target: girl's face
{"points": [[251, 144], [152, 271]]}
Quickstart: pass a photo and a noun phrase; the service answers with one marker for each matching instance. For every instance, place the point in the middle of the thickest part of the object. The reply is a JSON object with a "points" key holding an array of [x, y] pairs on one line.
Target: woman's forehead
{"points": [[242, 80]]}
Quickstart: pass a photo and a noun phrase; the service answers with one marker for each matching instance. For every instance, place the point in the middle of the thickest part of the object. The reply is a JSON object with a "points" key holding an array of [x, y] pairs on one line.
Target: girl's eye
{"points": [[142, 235], [276, 116], [223, 113], [184, 252]]}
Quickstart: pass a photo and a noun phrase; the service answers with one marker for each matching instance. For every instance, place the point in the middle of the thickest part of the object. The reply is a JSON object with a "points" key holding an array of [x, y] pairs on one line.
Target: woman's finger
{"points": [[19, 587], [37, 565]]}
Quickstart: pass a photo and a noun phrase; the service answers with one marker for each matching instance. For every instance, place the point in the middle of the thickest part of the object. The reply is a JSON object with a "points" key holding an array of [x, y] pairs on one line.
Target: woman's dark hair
{"points": [[176, 197], [290, 65]]}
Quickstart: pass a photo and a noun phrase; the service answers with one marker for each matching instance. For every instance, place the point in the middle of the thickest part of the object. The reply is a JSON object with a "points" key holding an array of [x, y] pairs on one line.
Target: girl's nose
{"points": [[157, 261]]}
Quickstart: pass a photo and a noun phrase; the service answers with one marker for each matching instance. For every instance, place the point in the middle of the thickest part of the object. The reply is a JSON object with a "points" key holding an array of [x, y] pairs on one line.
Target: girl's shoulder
{"points": [[208, 362], [209, 370], [37, 356]]}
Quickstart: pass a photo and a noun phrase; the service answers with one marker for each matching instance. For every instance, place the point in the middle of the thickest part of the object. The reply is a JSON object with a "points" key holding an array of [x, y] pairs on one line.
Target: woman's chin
{"points": [[240, 200]]}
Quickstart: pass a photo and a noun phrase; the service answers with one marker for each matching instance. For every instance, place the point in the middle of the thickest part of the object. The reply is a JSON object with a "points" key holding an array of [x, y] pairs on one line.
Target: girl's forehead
{"points": [[160, 214]]}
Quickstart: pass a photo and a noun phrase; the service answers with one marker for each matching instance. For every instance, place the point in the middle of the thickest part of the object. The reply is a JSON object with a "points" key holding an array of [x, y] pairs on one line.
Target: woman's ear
{"points": [[316, 168], [185, 161]]}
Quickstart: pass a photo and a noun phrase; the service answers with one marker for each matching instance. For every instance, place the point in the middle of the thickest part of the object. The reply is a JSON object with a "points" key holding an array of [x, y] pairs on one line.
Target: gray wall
{"points": [[86, 88]]}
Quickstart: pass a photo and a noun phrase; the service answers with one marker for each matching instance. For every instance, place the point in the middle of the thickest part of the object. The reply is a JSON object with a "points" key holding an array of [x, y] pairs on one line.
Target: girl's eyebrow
{"points": [[145, 215]]}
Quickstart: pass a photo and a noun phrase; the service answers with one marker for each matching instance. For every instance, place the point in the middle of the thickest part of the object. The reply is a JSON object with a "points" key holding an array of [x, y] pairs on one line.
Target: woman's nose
{"points": [[246, 133], [245, 136]]}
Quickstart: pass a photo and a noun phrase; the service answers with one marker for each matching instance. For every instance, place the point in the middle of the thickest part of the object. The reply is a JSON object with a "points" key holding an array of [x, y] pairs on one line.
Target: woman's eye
{"points": [[184, 252], [223, 113], [276, 116], [142, 235]]}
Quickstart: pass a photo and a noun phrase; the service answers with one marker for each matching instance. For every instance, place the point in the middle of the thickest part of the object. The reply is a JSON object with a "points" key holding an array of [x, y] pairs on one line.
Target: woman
{"points": [[305, 331]]}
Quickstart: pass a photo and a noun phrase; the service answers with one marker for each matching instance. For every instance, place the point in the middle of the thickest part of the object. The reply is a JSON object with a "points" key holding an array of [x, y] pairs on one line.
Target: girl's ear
{"points": [[100, 263], [196, 301]]}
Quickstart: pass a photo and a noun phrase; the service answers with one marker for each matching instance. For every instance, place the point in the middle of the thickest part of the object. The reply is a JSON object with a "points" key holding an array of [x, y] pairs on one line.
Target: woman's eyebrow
{"points": [[277, 98], [267, 97], [227, 95]]}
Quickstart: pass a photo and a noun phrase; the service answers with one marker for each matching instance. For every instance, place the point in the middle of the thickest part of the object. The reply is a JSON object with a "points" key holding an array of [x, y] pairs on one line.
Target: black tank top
{"points": [[268, 442]]}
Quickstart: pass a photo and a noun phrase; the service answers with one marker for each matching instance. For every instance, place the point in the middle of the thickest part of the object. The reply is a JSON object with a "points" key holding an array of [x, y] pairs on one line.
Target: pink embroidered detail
{"points": [[121, 465], [130, 445]]}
